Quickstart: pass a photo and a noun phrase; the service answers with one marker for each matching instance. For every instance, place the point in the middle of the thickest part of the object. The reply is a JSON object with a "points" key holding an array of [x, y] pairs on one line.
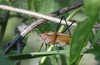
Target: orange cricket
{"points": [[57, 39], [61, 39]]}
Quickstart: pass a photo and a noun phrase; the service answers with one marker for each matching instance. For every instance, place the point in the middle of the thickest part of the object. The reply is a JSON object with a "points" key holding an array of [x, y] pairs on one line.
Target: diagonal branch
{"points": [[35, 14], [50, 17]]}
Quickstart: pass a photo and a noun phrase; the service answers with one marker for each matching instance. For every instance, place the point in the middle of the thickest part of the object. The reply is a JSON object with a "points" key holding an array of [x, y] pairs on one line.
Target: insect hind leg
{"points": [[46, 46], [42, 45]]}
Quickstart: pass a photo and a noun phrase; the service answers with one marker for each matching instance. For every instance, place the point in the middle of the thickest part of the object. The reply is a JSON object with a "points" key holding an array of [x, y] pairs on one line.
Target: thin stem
{"points": [[4, 24], [60, 30]]}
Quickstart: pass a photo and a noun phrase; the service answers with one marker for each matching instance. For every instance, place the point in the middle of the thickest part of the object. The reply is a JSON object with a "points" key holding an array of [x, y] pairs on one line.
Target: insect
{"points": [[57, 39]]}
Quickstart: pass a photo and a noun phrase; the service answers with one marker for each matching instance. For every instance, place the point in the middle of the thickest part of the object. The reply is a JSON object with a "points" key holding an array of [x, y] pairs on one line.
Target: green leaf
{"points": [[83, 30], [79, 39], [0, 1], [3, 60], [48, 61], [36, 55], [4, 2], [97, 47], [96, 52], [97, 36], [41, 6], [9, 2], [53, 60], [39, 54], [46, 27], [92, 8], [44, 6], [30, 4], [30, 20]]}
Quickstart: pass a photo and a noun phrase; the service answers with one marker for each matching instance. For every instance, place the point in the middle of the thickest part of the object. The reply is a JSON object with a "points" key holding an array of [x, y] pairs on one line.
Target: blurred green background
{"points": [[33, 44]]}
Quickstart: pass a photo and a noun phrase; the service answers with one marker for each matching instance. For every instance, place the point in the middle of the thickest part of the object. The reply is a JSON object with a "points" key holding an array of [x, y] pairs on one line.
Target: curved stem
{"points": [[60, 30]]}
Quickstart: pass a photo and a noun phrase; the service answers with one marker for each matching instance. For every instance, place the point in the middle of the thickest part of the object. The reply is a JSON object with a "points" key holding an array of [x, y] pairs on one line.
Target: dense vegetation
{"points": [[85, 35]]}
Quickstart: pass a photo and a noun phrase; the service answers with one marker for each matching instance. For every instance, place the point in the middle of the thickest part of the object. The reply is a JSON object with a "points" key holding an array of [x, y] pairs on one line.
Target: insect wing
{"points": [[62, 40]]}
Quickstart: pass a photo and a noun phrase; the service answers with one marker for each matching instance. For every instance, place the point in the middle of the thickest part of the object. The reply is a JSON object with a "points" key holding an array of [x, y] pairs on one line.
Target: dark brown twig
{"points": [[18, 62], [66, 9]]}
